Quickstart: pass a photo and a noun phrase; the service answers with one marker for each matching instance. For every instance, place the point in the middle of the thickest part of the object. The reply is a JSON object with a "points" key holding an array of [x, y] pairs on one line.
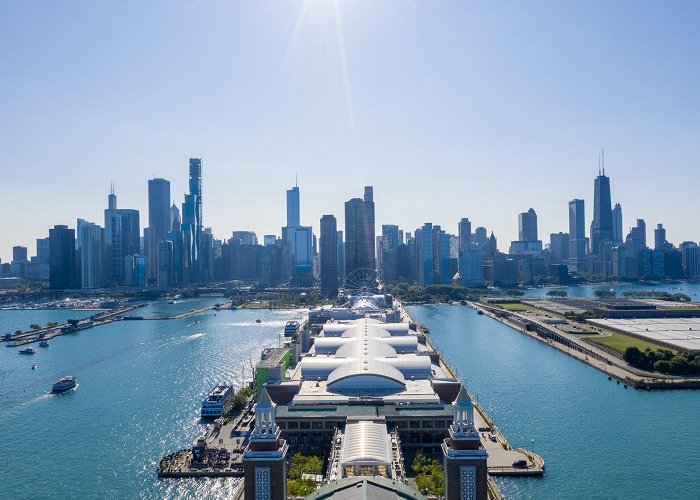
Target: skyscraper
{"points": [[91, 252], [62, 269], [390, 253], [175, 219], [359, 232], [293, 207], [329, 256], [19, 254], [159, 222], [192, 225], [341, 256], [577, 236], [617, 225], [659, 237], [602, 225], [527, 226], [424, 254], [465, 234], [122, 239]]}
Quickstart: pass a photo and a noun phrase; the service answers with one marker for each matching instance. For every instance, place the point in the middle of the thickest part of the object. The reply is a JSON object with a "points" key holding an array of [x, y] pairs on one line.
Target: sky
{"points": [[449, 109]]}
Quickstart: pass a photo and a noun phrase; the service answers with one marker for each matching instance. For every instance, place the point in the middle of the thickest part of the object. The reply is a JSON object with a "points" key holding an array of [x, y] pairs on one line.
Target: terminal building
{"points": [[366, 391]]}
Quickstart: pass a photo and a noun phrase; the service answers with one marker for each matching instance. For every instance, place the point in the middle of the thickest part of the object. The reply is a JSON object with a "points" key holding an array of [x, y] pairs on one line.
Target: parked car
{"points": [[520, 464]]}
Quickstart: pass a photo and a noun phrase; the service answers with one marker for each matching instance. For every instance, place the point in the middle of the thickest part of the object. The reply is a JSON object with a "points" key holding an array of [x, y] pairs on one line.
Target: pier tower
{"points": [[265, 473], [463, 456]]}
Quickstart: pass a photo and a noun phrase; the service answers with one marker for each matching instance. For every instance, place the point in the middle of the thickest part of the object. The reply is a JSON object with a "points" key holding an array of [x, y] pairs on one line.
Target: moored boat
{"points": [[217, 401], [44, 343], [28, 350]]}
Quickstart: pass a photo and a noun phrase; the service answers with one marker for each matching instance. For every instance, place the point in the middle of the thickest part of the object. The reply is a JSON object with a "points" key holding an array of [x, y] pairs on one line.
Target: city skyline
{"points": [[451, 226], [497, 104]]}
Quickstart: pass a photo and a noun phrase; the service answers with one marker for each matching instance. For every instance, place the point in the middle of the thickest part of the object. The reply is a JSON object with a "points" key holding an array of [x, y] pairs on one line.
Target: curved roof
{"points": [[365, 443]]}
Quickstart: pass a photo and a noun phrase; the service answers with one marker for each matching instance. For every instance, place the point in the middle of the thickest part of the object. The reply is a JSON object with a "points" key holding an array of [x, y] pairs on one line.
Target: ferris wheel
{"points": [[361, 282]]}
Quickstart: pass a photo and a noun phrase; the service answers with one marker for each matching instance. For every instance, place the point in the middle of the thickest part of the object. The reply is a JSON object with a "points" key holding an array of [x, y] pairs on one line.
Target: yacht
{"points": [[65, 384], [217, 401], [291, 328], [44, 343], [28, 350]]}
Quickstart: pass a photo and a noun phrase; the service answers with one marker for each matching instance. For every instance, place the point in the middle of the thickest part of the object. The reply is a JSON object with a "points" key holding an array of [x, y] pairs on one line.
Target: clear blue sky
{"points": [[450, 109]]}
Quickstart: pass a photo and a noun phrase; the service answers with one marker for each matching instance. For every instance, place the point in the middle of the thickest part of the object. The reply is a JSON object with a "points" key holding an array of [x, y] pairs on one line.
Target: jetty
{"points": [[544, 329]]}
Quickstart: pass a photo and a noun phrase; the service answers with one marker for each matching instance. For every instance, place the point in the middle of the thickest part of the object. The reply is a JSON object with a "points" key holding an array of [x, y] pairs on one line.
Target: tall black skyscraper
{"points": [[329, 256], [359, 232], [62, 261], [158, 220], [602, 224]]}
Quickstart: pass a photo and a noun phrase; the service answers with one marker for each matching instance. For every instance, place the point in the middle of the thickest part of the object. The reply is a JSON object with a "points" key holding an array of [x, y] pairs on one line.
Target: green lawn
{"points": [[516, 307], [620, 342]]}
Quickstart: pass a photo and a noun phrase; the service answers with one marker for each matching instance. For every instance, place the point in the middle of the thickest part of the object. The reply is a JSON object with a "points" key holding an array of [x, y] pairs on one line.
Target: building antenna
{"points": [[598, 164], [603, 156], [296, 180]]}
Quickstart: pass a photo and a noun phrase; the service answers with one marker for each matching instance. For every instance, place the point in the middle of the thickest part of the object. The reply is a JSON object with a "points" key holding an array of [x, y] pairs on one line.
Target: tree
{"points": [[602, 293], [429, 476], [557, 293], [35, 326]]}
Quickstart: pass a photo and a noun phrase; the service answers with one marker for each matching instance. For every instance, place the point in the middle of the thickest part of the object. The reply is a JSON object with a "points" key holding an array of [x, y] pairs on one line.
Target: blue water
{"points": [[140, 386], [588, 291], [598, 439]]}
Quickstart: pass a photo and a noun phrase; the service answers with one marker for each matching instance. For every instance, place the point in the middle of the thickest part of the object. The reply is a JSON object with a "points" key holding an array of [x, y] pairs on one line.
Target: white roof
{"points": [[365, 443]]}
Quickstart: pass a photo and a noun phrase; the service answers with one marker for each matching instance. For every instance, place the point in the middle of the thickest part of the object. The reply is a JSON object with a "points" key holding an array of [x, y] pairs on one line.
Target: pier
{"points": [[612, 366], [20, 339]]}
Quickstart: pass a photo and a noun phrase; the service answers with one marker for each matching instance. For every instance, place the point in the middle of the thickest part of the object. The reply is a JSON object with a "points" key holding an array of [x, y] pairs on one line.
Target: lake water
{"points": [[598, 439], [140, 388]]}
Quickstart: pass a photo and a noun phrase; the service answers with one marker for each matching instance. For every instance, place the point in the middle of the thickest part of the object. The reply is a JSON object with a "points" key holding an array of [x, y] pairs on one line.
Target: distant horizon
{"points": [[448, 109]]}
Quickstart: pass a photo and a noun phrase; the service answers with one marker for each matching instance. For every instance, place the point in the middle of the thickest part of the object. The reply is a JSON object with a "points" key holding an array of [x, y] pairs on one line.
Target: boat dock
{"points": [[219, 453]]}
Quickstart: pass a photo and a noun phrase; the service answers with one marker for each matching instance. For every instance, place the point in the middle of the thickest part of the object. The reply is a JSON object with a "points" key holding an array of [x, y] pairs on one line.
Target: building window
{"points": [[467, 482], [317, 424], [293, 425], [427, 424], [262, 483], [305, 425], [415, 424]]}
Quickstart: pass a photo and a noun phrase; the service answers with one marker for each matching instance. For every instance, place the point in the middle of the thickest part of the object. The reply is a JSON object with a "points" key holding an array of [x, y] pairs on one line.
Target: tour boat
{"points": [[217, 401], [28, 350], [65, 384]]}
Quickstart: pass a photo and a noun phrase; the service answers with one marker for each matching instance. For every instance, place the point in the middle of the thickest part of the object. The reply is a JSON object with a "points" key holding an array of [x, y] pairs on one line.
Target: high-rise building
{"points": [[390, 253], [424, 254], [91, 253], [19, 254], [690, 258], [359, 232], [62, 260], [175, 219], [602, 224], [527, 226], [293, 207], [42, 250], [640, 232], [659, 237], [165, 263], [269, 240], [192, 225], [617, 224], [577, 236], [464, 232], [471, 267], [328, 255], [481, 237], [159, 220], [122, 239], [245, 237], [341, 256], [559, 247]]}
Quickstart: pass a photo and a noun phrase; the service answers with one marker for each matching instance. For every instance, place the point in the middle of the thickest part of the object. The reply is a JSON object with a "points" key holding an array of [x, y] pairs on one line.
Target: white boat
{"points": [[28, 350], [217, 400]]}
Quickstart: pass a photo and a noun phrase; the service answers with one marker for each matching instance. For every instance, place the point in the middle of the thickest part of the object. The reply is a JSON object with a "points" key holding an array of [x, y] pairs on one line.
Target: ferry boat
{"points": [[216, 402], [65, 384], [28, 350], [291, 328], [44, 343]]}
